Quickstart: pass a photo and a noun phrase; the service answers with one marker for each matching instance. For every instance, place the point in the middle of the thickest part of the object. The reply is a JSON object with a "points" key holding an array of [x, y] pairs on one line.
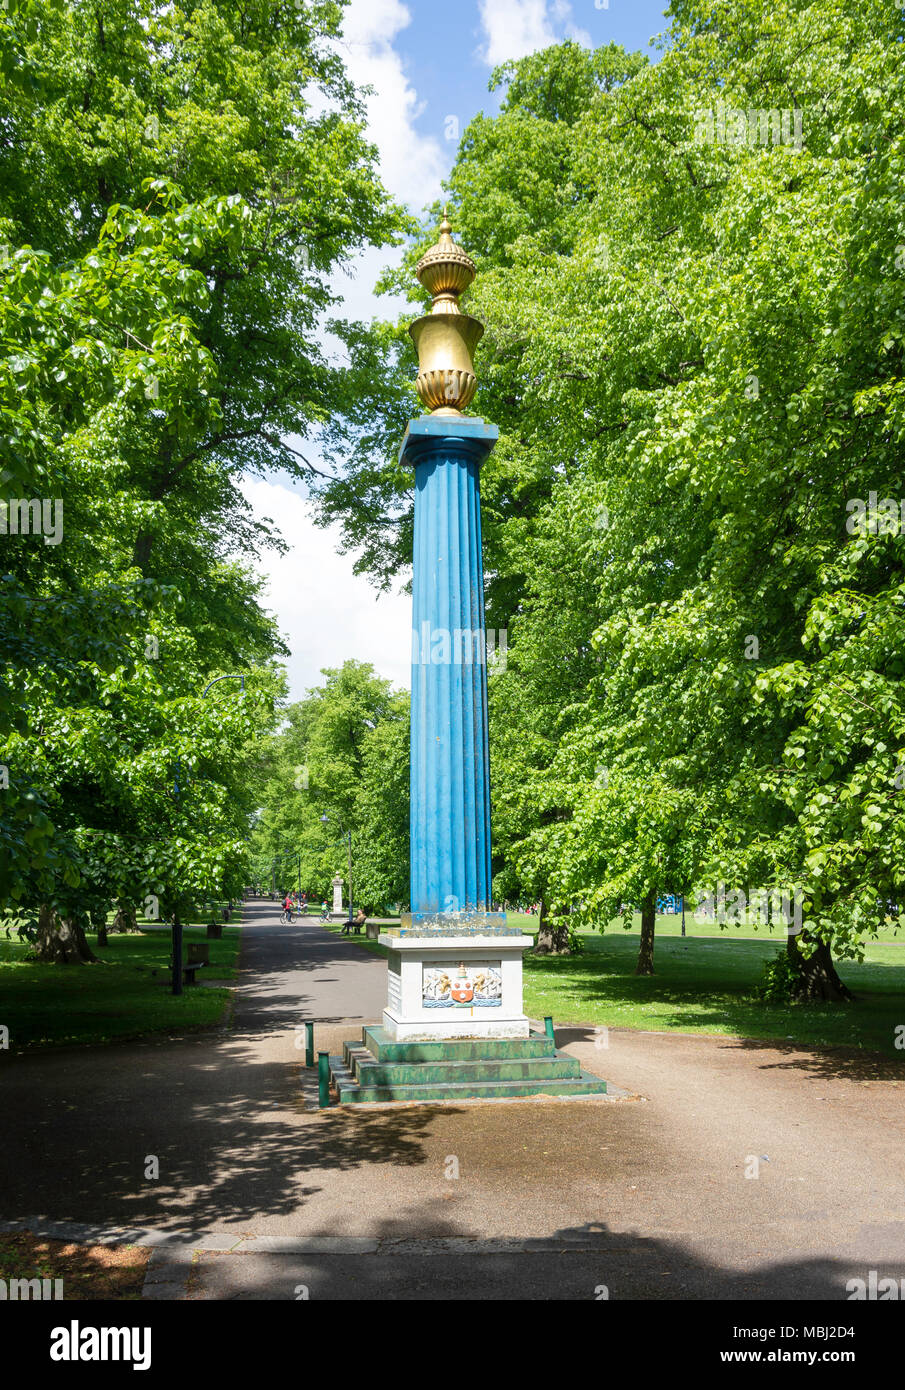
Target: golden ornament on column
{"points": [[446, 338]]}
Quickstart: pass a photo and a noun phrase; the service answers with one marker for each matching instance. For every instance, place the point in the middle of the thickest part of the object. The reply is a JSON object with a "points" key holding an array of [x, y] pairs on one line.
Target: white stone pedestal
{"points": [[454, 987], [338, 893]]}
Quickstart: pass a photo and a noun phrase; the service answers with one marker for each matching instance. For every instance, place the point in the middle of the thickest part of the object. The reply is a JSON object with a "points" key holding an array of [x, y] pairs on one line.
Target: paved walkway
{"points": [[645, 1194]]}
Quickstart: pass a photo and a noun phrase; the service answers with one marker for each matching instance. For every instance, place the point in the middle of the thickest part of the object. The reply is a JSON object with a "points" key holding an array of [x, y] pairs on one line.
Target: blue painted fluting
{"points": [[450, 763]]}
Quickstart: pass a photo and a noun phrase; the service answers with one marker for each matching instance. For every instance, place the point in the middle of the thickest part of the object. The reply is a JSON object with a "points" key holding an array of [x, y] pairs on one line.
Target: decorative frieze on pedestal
{"points": [[454, 987]]}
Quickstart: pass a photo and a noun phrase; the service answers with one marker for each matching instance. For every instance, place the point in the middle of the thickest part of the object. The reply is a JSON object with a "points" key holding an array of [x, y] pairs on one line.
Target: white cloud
{"points": [[412, 164], [515, 28], [355, 283], [326, 613]]}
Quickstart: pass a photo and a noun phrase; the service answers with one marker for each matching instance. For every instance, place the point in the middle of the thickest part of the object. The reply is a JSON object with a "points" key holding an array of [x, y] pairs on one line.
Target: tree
{"points": [[170, 211], [343, 753], [382, 838], [694, 319]]}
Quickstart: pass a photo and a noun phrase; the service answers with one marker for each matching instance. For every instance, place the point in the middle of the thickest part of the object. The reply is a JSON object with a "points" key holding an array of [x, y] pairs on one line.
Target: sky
{"points": [[429, 64]]}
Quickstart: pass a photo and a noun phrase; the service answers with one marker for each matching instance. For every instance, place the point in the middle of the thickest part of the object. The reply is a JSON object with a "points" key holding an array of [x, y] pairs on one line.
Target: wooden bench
{"points": [[198, 959]]}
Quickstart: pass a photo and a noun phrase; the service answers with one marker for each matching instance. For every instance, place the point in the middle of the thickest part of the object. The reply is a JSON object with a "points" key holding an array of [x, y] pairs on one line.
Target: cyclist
{"points": [[286, 914]]}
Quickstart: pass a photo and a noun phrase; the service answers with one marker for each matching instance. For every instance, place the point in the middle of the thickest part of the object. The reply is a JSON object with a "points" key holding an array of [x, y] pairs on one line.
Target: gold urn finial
{"points": [[446, 338]]}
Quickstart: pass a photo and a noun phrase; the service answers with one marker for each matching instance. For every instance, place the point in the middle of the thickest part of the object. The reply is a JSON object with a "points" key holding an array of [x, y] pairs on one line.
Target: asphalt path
{"points": [[720, 1167]]}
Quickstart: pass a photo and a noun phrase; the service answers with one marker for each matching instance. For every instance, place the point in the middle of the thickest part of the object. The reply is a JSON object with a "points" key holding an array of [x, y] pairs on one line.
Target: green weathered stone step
{"points": [[369, 1073], [352, 1093], [384, 1049]]}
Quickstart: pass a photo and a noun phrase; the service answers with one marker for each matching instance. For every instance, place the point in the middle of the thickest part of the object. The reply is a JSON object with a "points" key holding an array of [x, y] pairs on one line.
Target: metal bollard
{"points": [[309, 1044], [323, 1079], [548, 1027], [177, 955]]}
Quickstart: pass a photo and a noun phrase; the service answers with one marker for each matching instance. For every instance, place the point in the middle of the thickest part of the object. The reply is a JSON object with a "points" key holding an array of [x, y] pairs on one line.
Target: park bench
{"points": [[198, 959]]}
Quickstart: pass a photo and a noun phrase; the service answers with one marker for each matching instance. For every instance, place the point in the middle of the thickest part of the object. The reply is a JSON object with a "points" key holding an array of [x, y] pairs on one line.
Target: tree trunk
{"points": [[60, 941], [551, 941], [99, 922], [141, 553], [817, 977], [645, 964], [125, 919]]}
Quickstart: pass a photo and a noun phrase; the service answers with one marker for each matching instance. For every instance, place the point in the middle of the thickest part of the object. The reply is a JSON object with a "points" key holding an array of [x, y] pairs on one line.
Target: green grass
{"points": [[126, 995], [360, 939], [706, 984], [671, 925]]}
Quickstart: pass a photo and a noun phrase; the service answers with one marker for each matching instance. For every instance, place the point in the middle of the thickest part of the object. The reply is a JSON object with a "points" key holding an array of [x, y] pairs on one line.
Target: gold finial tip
{"points": [[445, 337]]}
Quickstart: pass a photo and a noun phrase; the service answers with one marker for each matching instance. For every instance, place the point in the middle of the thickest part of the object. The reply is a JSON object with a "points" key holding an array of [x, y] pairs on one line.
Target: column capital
{"points": [[430, 431]]}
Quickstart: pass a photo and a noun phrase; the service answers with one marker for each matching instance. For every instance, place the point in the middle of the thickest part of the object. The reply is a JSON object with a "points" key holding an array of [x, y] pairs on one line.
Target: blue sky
{"points": [[427, 61], [450, 63], [427, 66]]}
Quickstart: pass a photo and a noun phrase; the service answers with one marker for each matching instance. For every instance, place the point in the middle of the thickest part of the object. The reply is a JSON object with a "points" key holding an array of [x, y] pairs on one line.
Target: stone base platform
{"points": [[379, 1069]]}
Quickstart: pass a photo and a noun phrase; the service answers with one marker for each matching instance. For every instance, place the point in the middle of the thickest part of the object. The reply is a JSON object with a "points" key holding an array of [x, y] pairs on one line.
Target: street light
{"points": [[288, 854], [177, 925], [222, 678], [347, 835]]}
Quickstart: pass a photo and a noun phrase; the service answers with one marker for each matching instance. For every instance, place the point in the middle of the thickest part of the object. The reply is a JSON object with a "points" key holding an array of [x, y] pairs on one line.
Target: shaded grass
{"points": [[126, 995]]}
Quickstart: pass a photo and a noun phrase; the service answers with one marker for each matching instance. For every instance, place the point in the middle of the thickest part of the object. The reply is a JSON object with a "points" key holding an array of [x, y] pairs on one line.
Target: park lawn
{"points": [[125, 995], [707, 985], [359, 939], [670, 924]]}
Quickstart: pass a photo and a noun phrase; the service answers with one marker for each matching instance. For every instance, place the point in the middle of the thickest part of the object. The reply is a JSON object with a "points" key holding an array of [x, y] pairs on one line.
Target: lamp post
{"points": [[347, 836], [177, 925], [288, 854], [222, 678]]}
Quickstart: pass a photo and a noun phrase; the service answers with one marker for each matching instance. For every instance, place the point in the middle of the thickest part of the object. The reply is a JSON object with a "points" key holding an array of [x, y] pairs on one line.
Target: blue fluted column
{"points": [[450, 766]]}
